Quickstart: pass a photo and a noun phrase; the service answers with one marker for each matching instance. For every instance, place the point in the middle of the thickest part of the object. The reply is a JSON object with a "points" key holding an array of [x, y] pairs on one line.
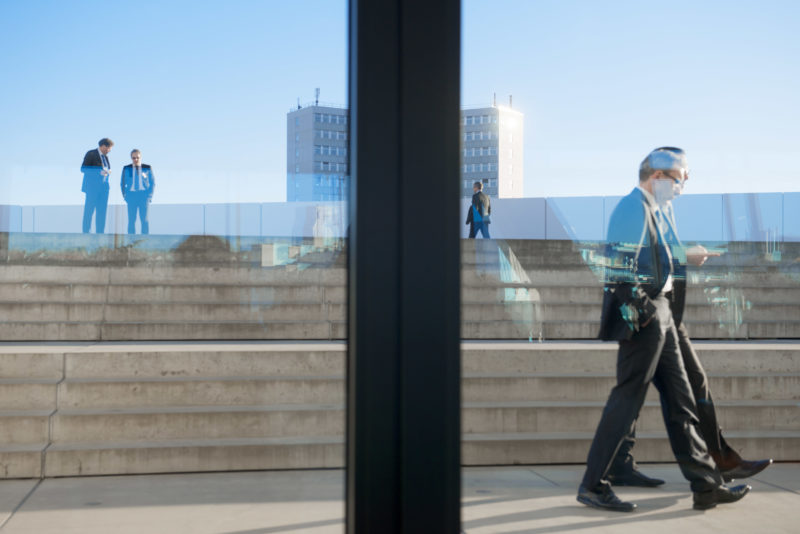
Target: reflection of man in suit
{"points": [[478, 217], [640, 273], [624, 471], [96, 169], [137, 184]]}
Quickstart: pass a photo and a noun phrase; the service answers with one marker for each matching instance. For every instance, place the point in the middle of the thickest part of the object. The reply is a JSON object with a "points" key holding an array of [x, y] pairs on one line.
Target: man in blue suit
{"points": [[137, 183], [641, 269], [96, 169], [624, 471]]}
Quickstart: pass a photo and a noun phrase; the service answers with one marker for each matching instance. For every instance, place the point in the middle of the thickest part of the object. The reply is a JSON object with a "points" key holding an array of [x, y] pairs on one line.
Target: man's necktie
{"points": [[105, 160]]}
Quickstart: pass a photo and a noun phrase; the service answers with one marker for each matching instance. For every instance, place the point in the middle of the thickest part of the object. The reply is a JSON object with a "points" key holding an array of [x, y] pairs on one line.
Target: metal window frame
{"points": [[403, 378]]}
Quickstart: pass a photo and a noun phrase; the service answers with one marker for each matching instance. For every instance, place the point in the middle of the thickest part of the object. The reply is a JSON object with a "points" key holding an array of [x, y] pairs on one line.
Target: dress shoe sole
{"points": [[733, 474], [636, 484], [592, 504], [714, 503]]}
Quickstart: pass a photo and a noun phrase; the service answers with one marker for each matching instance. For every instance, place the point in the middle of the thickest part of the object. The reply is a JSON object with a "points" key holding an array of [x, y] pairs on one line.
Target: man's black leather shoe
{"points": [[721, 495], [745, 469], [605, 500], [634, 478]]}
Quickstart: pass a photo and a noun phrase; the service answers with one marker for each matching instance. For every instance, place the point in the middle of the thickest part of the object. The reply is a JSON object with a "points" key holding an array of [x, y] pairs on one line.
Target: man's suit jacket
{"points": [[148, 180], [92, 168], [480, 202], [639, 259]]}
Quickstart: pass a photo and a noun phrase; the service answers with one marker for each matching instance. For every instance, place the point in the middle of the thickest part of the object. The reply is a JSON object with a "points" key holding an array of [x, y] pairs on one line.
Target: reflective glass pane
{"points": [[172, 285], [579, 93]]}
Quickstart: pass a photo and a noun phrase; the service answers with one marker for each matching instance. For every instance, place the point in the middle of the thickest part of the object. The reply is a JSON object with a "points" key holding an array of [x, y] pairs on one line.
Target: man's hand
{"points": [[697, 255]]}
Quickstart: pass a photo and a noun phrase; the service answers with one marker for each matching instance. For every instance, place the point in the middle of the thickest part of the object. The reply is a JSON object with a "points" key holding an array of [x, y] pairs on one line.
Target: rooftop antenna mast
{"points": [[298, 103], [494, 100], [316, 96], [509, 101]]}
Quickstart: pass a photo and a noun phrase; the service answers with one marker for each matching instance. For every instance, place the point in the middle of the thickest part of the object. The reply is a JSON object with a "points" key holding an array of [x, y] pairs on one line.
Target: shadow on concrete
{"points": [[291, 528]]}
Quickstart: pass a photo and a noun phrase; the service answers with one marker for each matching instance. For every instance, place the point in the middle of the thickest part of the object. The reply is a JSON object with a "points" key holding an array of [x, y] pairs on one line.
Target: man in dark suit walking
{"points": [[137, 183], [624, 471], [96, 169], [641, 269], [479, 215]]}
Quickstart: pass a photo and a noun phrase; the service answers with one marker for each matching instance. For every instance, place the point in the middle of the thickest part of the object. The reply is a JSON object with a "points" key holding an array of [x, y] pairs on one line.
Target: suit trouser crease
{"points": [[706, 412], [138, 202], [481, 227], [96, 204], [652, 355]]}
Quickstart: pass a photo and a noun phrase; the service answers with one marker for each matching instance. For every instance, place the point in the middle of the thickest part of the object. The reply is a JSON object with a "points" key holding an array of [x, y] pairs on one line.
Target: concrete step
{"points": [[218, 330], [25, 364], [490, 311], [21, 461], [519, 329], [186, 456], [173, 330], [738, 357], [219, 422], [206, 360], [573, 447], [189, 391], [171, 275], [168, 293], [24, 427], [200, 423], [596, 387], [577, 416], [28, 394], [168, 311]]}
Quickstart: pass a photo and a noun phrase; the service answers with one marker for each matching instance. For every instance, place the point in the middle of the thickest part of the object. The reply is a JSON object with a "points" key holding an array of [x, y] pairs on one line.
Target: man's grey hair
{"points": [[662, 159]]}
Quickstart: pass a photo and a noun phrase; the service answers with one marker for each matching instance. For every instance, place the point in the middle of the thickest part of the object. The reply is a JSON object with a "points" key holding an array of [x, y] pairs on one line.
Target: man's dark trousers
{"points": [[652, 355], [709, 427], [96, 201], [481, 227], [138, 201]]}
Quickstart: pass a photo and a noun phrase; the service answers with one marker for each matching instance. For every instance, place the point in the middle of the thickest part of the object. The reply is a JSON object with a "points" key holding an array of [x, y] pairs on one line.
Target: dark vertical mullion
{"points": [[430, 57], [403, 354], [373, 432]]}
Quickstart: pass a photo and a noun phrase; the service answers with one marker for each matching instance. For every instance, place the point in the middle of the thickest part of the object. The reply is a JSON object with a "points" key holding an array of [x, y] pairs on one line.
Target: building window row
{"points": [[325, 150], [480, 119], [480, 151], [479, 136], [331, 166], [480, 167], [330, 180], [329, 118], [488, 182], [331, 134]]}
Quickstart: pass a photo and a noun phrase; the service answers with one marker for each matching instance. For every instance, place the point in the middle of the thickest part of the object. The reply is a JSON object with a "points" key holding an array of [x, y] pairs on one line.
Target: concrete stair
{"points": [[552, 290], [119, 408], [513, 289]]}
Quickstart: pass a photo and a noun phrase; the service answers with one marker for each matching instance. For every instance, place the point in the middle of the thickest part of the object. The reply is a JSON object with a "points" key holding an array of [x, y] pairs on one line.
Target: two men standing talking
{"points": [[137, 184]]}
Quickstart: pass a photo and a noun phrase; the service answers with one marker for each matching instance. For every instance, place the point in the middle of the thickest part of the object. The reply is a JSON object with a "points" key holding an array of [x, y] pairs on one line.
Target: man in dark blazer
{"points": [[624, 471], [137, 183], [480, 211], [96, 169], [640, 272]]}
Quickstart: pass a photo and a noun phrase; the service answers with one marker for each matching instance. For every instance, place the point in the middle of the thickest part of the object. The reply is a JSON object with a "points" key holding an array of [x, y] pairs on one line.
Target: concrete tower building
{"points": [[317, 153], [492, 154]]}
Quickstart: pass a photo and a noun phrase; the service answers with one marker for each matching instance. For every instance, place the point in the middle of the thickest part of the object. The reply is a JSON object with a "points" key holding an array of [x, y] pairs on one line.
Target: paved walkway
{"points": [[538, 499]]}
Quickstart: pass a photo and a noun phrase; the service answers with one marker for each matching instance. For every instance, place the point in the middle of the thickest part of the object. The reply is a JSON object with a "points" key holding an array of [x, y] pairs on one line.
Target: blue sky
{"points": [[203, 88]]}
